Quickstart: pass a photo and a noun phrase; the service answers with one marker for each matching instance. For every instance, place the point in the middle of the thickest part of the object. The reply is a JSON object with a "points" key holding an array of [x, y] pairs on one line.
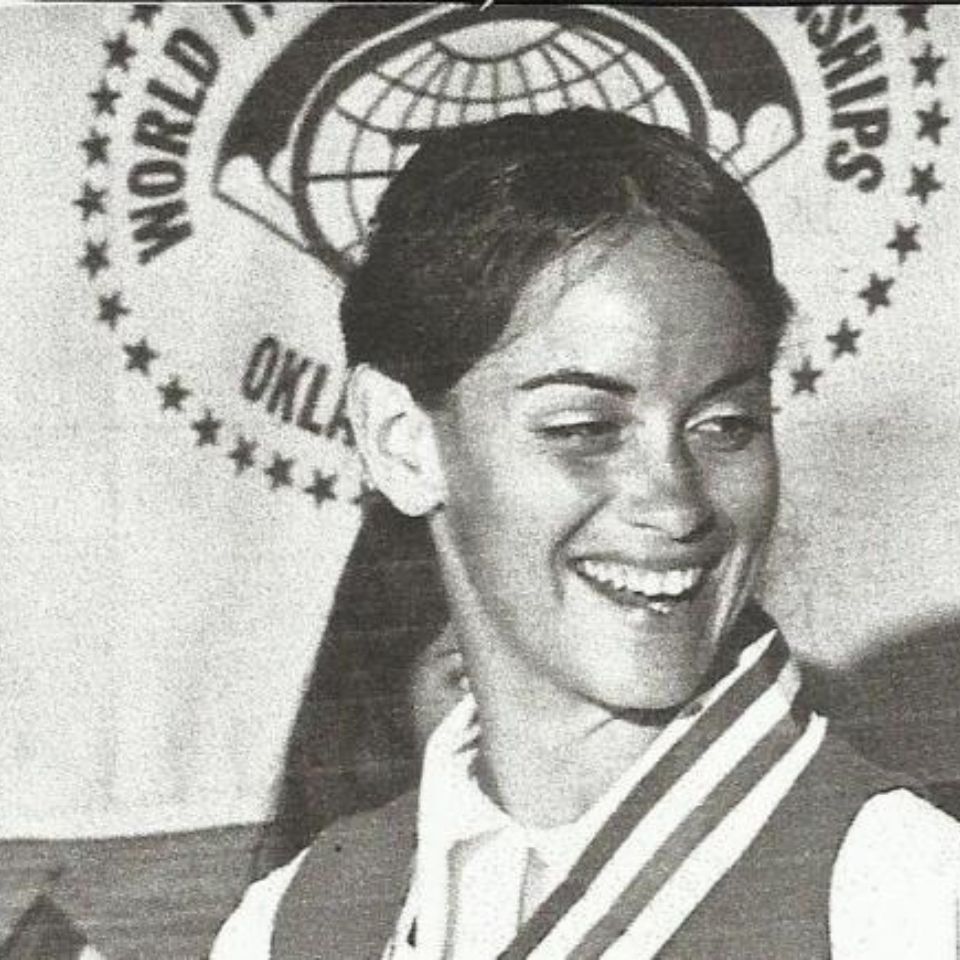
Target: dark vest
{"points": [[774, 903]]}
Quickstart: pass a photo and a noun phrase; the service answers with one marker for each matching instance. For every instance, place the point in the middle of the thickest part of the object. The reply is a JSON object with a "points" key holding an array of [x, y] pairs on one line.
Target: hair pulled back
{"points": [[479, 209]]}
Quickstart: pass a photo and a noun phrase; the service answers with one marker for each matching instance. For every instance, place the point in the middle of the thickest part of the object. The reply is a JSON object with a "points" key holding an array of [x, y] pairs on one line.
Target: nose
{"points": [[663, 491]]}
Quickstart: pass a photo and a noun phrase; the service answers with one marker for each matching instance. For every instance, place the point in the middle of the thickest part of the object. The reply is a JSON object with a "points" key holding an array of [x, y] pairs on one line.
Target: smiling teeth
{"points": [[650, 583]]}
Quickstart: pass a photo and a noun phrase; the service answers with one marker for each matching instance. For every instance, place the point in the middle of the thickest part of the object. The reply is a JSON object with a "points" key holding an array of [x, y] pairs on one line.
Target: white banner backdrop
{"points": [[182, 188]]}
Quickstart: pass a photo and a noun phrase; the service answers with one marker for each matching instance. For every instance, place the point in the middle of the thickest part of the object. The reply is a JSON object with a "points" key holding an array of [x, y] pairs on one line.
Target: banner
{"points": [[185, 188]]}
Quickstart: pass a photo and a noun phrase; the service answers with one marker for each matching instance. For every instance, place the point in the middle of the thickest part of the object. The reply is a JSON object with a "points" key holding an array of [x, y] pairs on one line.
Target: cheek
{"points": [[485, 505], [746, 497], [510, 507]]}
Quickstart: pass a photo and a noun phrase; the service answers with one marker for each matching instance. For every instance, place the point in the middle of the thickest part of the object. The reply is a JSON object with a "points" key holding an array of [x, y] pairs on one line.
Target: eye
{"points": [[728, 433], [584, 435]]}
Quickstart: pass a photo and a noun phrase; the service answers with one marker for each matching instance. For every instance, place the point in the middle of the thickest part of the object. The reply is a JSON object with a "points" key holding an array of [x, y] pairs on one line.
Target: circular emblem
{"points": [[235, 155]]}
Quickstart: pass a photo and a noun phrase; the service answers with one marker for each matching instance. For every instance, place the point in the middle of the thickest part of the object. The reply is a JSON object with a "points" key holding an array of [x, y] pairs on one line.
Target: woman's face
{"points": [[610, 478]]}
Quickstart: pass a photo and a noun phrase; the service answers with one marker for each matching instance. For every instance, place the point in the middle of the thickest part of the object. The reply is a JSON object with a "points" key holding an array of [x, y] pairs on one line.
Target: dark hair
{"points": [[467, 223], [353, 745], [478, 210]]}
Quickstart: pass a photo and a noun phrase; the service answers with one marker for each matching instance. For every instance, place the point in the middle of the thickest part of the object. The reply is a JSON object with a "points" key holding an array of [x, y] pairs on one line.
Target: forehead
{"points": [[651, 303]]}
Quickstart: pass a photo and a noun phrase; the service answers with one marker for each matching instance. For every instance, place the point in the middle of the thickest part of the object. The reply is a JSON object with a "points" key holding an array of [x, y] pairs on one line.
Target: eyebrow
{"points": [[736, 378], [575, 377]]}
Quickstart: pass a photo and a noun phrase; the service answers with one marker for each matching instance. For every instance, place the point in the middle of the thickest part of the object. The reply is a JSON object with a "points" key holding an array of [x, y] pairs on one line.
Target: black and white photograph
{"points": [[479, 481]]}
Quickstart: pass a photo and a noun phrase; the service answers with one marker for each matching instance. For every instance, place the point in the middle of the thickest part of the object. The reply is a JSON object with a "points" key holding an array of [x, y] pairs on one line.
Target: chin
{"points": [[672, 696], [663, 693]]}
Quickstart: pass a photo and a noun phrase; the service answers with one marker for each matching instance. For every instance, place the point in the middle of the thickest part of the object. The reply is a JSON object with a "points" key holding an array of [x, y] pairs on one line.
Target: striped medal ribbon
{"points": [[744, 730]]}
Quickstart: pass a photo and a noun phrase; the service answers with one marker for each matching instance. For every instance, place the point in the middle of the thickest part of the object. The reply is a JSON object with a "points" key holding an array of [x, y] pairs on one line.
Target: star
{"points": [[104, 99], [932, 121], [144, 13], [923, 183], [279, 472], [95, 146], [207, 428], [321, 489], [905, 242], [111, 309], [925, 67], [140, 356], [173, 394], [242, 454], [914, 16], [805, 377], [94, 258], [91, 202], [119, 52], [844, 340], [876, 292]]}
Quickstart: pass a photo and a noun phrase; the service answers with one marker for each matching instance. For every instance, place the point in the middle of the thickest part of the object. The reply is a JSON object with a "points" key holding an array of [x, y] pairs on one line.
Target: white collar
{"points": [[453, 807]]}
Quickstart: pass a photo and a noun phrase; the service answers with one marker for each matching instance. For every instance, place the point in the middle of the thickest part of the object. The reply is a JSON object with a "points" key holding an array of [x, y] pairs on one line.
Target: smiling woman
{"points": [[561, 340], [608, 485]]}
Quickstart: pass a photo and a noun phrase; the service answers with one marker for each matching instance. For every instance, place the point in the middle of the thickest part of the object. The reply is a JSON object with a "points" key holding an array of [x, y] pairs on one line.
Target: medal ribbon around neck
{"points": [[614, 906]]}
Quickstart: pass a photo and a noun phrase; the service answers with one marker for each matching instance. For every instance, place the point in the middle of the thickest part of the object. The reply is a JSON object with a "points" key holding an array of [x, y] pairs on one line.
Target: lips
{"points": [[633, 585]]}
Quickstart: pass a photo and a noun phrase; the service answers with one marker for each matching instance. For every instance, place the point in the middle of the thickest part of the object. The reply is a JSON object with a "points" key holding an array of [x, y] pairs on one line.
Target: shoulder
{"points": [[896, 883], [889, 826], [248, 930], [365, 841], [331, 866], [901, 832], [366, 852], [350, 886]]}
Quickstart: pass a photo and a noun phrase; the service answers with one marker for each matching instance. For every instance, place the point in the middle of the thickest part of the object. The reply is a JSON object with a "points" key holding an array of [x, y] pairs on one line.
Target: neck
{"points": [[547, 756], [545, 773]]}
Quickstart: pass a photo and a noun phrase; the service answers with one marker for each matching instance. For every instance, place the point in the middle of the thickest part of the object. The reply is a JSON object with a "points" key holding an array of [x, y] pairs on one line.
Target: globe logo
{"points": [[371, 106]]}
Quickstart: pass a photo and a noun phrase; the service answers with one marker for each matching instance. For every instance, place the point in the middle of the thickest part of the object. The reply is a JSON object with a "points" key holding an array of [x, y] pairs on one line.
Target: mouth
{"points": [[629, 585]]}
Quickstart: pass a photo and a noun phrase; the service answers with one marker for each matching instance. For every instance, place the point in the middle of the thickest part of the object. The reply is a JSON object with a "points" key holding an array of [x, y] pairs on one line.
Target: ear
{"points": [[396, 441]]}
